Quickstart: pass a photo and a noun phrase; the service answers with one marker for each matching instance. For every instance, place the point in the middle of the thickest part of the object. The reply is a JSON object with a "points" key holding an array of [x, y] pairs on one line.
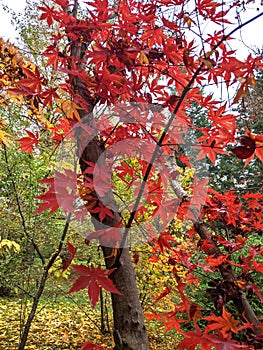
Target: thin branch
{"points": [[42, 285]]}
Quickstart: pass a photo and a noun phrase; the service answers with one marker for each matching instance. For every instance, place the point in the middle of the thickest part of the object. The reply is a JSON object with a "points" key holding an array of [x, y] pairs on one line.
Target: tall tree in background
{"points": [[125, 57]]}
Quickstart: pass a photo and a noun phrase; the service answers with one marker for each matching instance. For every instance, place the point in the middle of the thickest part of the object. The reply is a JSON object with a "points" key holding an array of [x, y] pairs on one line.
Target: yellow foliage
{"points": [[6, 246], [11, 72], [57, 271]]}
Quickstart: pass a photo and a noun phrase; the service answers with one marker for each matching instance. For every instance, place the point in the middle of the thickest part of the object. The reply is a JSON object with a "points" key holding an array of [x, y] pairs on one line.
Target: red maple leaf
{"points": [[49, 198], [72, 250], [103, 211], [246, 150], [107, 236], [224, 323], [48, 96], [193, 338], [49, 13], [163, 294], [91, 346], [221, 343], [163, 241], [50, 202], [33, 83], [27, 143], [93, 278]]}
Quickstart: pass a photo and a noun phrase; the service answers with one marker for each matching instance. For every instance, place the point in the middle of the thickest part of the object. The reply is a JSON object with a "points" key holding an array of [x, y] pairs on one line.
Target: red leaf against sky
{"points": [[48, 13], [93, 278], [27, 143]]}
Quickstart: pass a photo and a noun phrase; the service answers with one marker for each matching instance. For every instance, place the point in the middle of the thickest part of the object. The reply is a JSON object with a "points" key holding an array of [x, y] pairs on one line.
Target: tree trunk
{"points": [[129, 330]]}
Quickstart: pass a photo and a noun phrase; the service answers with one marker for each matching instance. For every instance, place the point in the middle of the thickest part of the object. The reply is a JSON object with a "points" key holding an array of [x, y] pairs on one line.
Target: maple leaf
{"points": [[244, 87], [72, 250], [210, 150], [163, 294], [227, 343], [48, 96], [216, 261], [173, 323], [33, 83], [193, 339], [163, 241], [27, 143], [93, 278], [246, 150], [69, 108], [50, 202], [111, 235], [49, 198], [91, 346], [49, 13], [258, 266], [224, 323], [103, 211], [63, 3], [61, 129]]}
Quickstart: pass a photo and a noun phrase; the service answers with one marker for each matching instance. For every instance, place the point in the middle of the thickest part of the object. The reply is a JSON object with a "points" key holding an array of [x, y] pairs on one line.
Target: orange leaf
{"points": [[143, 58]]}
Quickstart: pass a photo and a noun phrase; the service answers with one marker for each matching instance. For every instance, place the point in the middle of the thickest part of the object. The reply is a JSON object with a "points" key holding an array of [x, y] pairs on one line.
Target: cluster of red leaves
{"points": [[241, 214], [130, 53]]}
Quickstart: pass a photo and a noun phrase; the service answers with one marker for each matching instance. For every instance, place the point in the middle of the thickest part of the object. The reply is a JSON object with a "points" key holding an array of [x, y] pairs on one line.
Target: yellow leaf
{"points": [[3, 137], [143, 58]]}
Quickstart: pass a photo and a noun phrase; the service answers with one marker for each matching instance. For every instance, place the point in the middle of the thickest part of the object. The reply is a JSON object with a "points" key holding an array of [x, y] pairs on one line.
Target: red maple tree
{"points": [[138, 59]]}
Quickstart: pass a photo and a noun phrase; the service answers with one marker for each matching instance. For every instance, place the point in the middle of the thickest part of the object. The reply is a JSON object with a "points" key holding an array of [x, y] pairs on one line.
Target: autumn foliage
{"points": [[143, 58]]}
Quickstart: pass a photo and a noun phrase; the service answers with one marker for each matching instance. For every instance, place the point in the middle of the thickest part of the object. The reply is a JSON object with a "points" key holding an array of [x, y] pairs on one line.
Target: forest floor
{"points": [[64, 323]]}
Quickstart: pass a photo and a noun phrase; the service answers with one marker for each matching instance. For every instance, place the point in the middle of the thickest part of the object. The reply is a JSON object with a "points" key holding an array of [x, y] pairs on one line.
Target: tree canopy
{"points": [[105, 105]]}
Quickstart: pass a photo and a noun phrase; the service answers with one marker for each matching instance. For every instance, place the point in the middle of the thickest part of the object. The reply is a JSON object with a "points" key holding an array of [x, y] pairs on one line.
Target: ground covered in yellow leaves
{"points": [[63, 325]]}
